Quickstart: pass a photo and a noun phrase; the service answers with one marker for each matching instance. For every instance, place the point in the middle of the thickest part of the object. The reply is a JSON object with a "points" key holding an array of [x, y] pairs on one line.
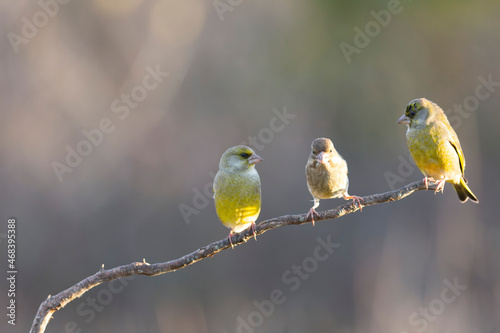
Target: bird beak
{"points": [[254, 159], [403, 120], [321, 157]]}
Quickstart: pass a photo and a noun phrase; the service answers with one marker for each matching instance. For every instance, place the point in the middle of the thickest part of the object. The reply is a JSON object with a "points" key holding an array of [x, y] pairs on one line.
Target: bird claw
{"points": [[440, 186], [426, 181], [252, 227], [355, 199], [311, 213], [229, 237]]}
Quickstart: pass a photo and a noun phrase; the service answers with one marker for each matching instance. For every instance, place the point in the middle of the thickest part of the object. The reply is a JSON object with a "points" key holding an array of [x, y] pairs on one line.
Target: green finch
{"points": [[326, 174], [435, 147], [237, 190]]}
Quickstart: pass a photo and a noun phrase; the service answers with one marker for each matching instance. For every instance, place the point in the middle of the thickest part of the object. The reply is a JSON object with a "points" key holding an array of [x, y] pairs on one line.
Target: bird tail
{"points": [[464, 191]]}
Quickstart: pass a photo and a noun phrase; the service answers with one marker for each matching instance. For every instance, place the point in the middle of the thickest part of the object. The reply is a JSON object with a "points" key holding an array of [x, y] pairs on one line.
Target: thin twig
{"points": [[56, 302]]}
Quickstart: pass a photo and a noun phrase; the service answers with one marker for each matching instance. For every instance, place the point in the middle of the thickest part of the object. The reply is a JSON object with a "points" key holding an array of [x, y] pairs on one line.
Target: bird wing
{"points": [[452, 139], [460, 155], [455, 143]]}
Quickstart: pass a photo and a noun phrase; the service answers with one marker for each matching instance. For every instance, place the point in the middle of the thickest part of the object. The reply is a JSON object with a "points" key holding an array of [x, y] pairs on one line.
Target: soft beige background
{"points": [[121, 202]]}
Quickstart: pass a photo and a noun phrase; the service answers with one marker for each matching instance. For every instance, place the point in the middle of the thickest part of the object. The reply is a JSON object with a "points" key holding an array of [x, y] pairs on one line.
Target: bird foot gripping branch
{"points": [[355, 199], [252, 229], [439, 183], [311, 213]]}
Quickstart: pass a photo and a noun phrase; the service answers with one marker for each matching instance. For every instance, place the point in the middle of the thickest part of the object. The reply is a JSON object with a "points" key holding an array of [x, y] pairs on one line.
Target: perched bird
{"points": [[326, 174], [237, 190], [435, 147]]}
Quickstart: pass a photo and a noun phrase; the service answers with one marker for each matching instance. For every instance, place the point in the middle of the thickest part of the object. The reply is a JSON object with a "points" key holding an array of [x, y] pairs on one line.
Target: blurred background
{"points": [[114, 115]]}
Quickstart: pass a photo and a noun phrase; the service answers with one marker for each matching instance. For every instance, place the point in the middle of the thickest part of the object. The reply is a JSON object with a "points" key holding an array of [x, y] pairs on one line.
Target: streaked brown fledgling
{"points": [[326, 174]]}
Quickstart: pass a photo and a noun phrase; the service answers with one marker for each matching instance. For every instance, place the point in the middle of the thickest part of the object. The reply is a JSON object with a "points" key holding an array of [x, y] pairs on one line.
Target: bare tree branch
{"points": [[56, 302]]}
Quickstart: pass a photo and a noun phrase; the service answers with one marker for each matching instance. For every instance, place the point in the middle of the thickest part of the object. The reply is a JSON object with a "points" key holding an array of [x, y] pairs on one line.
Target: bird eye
{"points": [[412, 114], [245, 155], [410, 107], [331, 150]]}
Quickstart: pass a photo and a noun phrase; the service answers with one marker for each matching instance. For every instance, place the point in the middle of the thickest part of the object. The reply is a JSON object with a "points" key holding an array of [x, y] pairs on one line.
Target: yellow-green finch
{"points": [[326, 174], [435, 147], [237, 189]]}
